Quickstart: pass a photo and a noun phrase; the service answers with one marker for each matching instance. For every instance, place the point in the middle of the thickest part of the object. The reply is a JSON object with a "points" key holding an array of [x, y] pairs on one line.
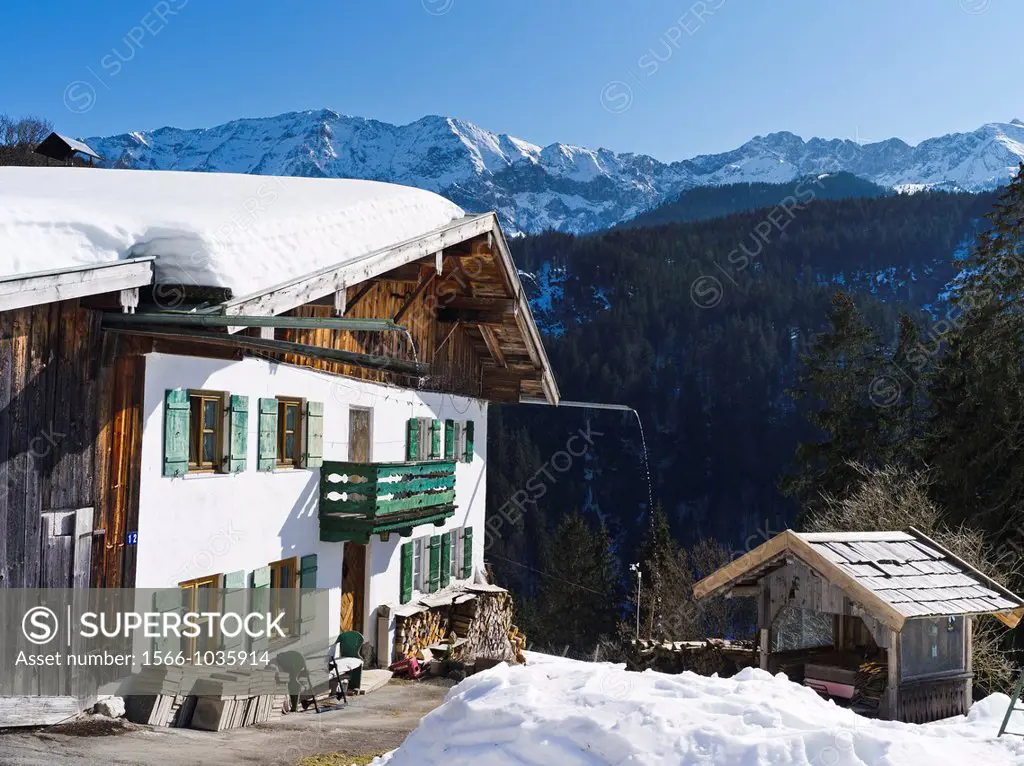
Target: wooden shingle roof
{"points": [[896, 575]]}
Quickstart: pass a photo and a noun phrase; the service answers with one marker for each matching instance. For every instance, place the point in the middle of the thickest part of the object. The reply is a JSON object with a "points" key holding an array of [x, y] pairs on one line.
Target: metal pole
{"points": [[639, 579]]}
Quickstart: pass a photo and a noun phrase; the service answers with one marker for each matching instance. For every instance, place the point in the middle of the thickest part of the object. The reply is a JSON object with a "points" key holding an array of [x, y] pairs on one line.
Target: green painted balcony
{"points": [[358, 500]]}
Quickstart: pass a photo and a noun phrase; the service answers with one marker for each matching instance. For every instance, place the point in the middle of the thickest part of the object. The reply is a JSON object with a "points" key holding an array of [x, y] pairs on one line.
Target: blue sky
{"points": [[664, 77]]}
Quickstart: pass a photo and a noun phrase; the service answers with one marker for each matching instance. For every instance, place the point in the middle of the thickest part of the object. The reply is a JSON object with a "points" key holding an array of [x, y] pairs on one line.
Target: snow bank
{"points": [[229, 230], [564, 713]]}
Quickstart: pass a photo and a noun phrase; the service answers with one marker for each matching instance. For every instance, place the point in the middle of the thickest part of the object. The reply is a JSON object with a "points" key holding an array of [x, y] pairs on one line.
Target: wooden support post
{"points": [[891, 709], [968, 662], [764, 621]]}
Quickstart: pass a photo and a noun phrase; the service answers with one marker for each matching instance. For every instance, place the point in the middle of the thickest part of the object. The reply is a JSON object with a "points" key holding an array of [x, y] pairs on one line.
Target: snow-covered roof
{"points": [[244, 232]]}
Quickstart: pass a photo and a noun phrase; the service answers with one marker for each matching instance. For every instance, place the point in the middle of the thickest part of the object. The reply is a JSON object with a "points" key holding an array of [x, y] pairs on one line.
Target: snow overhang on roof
{"points": [[274, 243], [894, 575], [242, 232]]}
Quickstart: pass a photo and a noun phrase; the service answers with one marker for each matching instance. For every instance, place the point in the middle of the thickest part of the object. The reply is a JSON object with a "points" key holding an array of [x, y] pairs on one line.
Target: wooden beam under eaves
{"points": [[425, 283], [244, 342], [493, 345], [482, 303], [188, 319], [472, 316], [359, 295]]}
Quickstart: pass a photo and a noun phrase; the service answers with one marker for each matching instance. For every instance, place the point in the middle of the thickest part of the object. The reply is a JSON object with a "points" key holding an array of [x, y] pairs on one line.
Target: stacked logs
{"points": [[487, 621], [415, 633], [701, 657], [869, 687]]}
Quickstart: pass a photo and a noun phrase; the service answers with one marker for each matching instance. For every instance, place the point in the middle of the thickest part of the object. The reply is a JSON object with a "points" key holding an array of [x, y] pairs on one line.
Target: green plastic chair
{"points": [[350, 644]]}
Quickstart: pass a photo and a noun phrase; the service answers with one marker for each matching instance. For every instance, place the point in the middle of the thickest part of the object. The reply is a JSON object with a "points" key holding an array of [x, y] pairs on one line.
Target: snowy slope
{"points": [[566, 713], [560, 186], [243, 232]]}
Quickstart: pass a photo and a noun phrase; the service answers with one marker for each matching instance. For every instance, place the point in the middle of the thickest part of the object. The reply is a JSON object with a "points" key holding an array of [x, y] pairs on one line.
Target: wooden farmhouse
{"points": [[879, 620], [212, 380]]}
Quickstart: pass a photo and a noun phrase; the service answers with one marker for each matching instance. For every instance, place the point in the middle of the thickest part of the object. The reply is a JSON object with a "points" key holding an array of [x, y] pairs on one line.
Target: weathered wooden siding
{"points": [[455, 365], [54, 380], [934, 699], [797, 584], [461, 319], [118, 464]]}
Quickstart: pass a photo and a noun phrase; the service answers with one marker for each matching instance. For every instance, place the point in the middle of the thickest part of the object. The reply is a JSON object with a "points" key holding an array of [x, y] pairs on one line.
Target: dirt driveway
{"points": [[372, 724]]}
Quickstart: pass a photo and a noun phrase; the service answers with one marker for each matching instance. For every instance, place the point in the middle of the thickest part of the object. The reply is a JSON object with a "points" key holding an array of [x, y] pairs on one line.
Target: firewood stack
{"points": [[489, 631], [701, 657], [414, 634], [869, 687]]}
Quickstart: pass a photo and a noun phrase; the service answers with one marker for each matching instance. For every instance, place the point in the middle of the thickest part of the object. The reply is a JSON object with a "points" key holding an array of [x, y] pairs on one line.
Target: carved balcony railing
{"points": [[358, 500]]}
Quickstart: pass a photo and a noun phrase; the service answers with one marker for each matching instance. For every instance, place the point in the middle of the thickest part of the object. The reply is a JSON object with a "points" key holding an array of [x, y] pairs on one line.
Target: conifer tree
{"points": [[580, 596], [667, 608], [847, 385], [976, 437]]}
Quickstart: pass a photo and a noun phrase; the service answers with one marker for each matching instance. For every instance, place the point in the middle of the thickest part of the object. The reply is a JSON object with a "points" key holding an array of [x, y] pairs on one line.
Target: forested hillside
{"points": [[701, 327], [714, 201]]}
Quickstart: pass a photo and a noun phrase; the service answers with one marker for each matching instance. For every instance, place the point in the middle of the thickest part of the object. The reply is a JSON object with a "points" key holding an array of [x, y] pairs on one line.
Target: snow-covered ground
{"points": [[245, 232], [556, 712]]}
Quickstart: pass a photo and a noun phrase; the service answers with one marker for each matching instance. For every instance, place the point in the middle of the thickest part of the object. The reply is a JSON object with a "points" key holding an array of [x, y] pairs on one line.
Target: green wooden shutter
{"points": [[166, 600], [307, 571], [467, 552], [314, 435], [435, 563], [261, 577], [260, 602], [406, 594], [234, 602], [449, 440], [238, 433], [446, 559], [268, 435], [307, 594], [468, 455], [435, 439], [176, 432], [412, 447]]}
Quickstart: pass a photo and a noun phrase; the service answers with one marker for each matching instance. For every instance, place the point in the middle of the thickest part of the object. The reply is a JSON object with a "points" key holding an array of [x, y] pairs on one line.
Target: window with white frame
{"points": [[455, 543], [425, 436], [419, 564], [460, 440]]}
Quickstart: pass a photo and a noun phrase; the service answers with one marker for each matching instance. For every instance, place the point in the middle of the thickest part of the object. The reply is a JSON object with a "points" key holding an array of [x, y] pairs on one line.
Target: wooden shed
{"points": [[877, 620]]}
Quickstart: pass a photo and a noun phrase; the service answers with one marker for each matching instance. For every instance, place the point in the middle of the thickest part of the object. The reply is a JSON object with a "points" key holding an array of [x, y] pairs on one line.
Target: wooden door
{"points": [[359, 435], [353, 584]]}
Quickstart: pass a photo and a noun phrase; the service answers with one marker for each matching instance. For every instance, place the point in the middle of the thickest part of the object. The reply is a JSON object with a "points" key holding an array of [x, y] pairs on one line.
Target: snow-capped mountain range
{"points": [[562, 187]]}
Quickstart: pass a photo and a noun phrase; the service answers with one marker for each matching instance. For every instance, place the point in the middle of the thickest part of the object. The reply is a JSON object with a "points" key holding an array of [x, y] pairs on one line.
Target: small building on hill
{"points": [[880, 620], [65, 149]]}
